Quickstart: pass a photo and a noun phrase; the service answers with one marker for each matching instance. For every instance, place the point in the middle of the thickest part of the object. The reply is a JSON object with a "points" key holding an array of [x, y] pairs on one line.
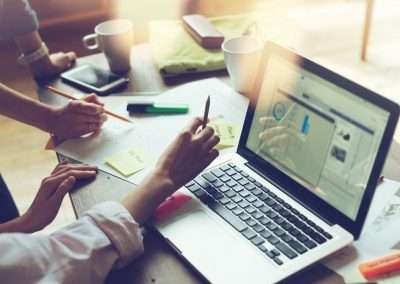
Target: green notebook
{"points": [[176, 52]]}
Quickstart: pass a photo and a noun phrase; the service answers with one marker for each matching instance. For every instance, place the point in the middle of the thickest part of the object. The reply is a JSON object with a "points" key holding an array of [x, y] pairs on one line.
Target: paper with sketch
{"points": [[129, 162], [153, 133], [228, 133], [380, 236]]}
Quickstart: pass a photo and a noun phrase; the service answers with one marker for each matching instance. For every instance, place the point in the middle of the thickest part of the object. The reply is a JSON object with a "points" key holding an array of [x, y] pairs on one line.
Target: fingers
{"points": [[204, 135], [89, 127], [267, 121], [211, 143], [85, 107], [92, 98], [103, 118], [71, 56], [195, 124], [50, 184], [212, 155], [63, 167], [62, 190]]}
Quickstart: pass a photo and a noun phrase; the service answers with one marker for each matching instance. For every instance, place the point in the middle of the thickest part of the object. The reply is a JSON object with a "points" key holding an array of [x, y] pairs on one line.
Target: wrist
{"points": [[45, 117], [26, 225], [20, 224], [159, 185], [42, 67]]}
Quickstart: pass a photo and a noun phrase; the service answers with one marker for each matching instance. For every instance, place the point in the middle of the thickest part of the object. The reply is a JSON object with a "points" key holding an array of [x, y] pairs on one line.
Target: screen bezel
{"points": [[67, 76], [285, 182]]}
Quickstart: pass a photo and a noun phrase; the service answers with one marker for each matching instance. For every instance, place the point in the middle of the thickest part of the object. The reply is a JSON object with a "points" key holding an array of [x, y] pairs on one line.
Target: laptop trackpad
{"points": [[212, 246]]}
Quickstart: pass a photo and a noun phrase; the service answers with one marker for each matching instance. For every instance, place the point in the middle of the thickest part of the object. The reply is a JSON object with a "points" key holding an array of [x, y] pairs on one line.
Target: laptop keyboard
{"points": [[257, 213]]}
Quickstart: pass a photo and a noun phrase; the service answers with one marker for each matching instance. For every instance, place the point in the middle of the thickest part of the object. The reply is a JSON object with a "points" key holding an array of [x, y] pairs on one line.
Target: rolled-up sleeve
{"points": [[16, 18], [83, 252]]}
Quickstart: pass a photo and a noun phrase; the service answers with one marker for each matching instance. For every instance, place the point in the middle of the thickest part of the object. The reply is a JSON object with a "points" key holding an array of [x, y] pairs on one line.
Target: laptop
{"points": [[299, 186]]}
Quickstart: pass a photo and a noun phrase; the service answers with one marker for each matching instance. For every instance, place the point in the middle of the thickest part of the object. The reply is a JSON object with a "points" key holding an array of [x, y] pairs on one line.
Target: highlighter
{"points": [[156, 108], [380, 266], [170, 205]]}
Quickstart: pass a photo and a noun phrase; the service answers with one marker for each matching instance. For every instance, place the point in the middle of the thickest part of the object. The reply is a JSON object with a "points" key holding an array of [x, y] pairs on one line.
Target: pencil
{"points": [[65, 95], [206, 110]]}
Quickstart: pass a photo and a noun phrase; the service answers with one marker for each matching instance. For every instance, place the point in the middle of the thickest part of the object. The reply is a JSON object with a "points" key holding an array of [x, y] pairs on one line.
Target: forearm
{"points": [[17, 225], [29, 43], [24, 109], [147, 196]]}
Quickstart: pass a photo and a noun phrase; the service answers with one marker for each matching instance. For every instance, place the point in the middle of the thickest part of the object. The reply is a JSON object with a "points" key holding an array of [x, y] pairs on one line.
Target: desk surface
{"points": [[160, 264]]}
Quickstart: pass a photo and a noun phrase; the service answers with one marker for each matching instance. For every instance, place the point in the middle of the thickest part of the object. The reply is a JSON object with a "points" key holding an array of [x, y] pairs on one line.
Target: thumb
{"points": [[92, 98], [63, 189]]}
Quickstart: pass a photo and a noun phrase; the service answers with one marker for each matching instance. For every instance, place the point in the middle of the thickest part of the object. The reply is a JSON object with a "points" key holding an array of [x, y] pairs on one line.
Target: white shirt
{"points": [[83, 252]]}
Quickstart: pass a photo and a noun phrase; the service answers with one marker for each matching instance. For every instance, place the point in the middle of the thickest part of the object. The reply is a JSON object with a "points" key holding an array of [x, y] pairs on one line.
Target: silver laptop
{"points": [[299, 187]]}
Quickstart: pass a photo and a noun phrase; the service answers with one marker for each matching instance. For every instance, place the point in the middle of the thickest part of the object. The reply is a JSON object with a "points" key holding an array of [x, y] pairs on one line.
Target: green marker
{"points": [[157, 108]]}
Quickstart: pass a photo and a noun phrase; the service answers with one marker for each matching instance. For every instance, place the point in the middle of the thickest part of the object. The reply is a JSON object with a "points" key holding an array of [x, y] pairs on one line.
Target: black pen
{"points": [[206, 110]]}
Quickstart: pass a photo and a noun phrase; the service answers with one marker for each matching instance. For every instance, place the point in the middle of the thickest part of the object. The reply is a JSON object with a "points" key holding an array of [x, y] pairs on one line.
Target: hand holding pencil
{"points": [[77, 118]]}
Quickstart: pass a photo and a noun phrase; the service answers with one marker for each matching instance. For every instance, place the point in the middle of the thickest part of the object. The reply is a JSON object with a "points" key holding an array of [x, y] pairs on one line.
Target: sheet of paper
{"points": [[153, 133], [228, 133], [380, 236], [129, 162]]}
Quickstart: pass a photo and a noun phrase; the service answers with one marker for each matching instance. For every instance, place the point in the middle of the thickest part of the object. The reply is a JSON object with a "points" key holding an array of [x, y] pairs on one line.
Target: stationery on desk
{"points": [[129, 161], [152, 133], [206, 111], [156, 108], [65, 95], [227, 132]]}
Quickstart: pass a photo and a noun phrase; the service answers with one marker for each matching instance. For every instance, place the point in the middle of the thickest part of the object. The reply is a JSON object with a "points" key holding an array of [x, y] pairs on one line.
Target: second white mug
{"points": [[114, 38]]}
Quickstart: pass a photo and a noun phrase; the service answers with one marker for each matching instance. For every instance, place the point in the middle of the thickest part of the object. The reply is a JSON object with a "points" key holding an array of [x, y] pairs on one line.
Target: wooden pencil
{"points": [[68, 96]]}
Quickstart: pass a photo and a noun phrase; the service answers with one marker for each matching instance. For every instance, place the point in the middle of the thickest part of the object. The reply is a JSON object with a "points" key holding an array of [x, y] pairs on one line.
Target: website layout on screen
{"points": [[318, 133]]}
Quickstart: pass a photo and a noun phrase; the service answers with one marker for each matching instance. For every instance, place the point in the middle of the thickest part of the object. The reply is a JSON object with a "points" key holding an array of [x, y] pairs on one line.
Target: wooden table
{"points": [[160, 263]]}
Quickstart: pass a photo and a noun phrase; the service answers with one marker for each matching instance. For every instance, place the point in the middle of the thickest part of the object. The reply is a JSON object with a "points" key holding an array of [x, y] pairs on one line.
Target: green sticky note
{"points": [[128, 162], [227, 132]]}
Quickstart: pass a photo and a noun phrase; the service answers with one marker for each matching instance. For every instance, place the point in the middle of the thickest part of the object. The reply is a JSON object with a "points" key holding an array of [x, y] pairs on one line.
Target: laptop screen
{"points": [[319, 134]]}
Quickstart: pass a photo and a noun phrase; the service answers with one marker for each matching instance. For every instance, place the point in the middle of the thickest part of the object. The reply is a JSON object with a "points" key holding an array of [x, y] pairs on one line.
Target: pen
{"points": [[65, 95], [206, 110]]}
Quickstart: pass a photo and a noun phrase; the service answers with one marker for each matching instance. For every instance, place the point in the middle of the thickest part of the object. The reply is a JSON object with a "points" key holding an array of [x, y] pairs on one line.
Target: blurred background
{"points": [[357, 38]]}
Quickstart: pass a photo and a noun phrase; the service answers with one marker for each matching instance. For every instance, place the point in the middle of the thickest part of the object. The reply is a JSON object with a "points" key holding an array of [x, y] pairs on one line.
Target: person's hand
{"points": [[53, 64], [276, 138], [47, 202], [77, 118], [61, 61], [191, 152]]}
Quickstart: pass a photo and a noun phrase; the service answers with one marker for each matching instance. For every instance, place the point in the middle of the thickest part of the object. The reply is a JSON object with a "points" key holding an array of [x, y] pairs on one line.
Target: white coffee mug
{"points": [[114, 38], [242, 56]]}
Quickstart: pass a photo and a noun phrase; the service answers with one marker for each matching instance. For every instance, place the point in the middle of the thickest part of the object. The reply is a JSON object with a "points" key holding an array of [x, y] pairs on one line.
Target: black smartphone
{"points": [[94, 79]]}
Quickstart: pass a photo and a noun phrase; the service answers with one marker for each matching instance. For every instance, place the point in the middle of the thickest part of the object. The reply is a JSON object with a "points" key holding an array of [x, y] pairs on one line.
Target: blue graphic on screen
{"points": [[305, 128], [279, 111]]}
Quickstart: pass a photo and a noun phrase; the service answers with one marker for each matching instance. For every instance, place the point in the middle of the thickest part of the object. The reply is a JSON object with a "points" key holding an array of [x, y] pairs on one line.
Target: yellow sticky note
{"points": [[227, 132], [128, 162]]}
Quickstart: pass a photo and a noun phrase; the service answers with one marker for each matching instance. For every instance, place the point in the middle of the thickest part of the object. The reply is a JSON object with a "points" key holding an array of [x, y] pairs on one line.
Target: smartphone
{"points": [[94, 79]]}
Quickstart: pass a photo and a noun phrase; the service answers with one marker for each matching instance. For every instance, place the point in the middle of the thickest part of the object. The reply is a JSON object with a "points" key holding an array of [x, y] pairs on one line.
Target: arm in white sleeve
{"points": [[83, 252]]}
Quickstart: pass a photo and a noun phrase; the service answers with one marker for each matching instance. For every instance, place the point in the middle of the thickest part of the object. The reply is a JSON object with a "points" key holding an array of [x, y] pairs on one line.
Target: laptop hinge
{"points": [[253, 168]]}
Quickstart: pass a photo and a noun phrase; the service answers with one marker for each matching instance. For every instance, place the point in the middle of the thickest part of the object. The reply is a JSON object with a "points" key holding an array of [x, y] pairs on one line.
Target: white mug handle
{"points": [[87, 39]]}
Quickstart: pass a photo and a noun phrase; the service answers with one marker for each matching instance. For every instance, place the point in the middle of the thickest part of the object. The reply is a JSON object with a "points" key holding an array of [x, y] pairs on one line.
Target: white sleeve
{"points": [[82, 252]]}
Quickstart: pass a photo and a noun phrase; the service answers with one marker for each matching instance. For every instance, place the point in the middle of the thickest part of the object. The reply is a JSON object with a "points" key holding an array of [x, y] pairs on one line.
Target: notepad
{"points": [[129, 162], [227, 132]]}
